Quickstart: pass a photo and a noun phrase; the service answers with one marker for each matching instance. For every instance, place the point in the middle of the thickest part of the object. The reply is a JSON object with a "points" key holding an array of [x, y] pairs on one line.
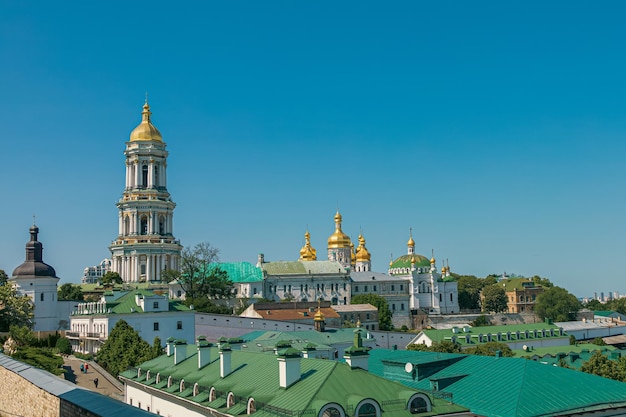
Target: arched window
{"points": [[158, 378], [368, 408], [230, 400], [144, 225], [181, 388], [156, 175], [138, 372], [251, 406], [161, 225], [41, 296], [144, 176], [169, 381], [419, 403], [331, 410], [196, 389], [212, 394]]}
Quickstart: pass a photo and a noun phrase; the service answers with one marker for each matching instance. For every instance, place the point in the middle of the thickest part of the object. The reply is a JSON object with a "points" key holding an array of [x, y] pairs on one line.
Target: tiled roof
{"points": [[303, 267], [256, 375], [506, 387]]}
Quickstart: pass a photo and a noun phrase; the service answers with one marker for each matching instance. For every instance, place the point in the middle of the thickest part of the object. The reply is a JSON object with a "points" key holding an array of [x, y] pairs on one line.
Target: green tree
{"points": [[3, 277], [199, 274], [157, 348], [469, 288], [111, 278], [70, 292], [598, 341], [419, 347], [446, 346], [123, 348], [543, 282], [489, 349], [600, 365], [595, 305], [572, 340], [384, 314], [15, 309], [63, 345], [557, 304], [481, 321], [40, 358], [204, 305], [618, 305], [494, 299]]}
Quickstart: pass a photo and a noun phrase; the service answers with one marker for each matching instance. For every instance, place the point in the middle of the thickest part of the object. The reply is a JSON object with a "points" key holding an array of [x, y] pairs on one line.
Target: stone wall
{"points": [[19, 397]]}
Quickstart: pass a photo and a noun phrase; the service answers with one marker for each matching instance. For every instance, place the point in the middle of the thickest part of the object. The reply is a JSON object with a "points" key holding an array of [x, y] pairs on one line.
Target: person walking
{"points": [[95, 382]]}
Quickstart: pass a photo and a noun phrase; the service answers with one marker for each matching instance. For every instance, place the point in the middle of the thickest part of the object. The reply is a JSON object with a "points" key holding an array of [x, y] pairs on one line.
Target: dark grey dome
{"points": [[34, 266]]}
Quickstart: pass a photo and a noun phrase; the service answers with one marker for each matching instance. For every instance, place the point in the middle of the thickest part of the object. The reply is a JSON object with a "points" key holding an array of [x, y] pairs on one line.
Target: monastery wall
{"points": [[25, 399]]}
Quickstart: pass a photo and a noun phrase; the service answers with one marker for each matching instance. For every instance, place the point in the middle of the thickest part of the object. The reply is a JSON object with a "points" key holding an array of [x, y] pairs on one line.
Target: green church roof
{"points": [[405, 261], [241, 271], [303, 267]]}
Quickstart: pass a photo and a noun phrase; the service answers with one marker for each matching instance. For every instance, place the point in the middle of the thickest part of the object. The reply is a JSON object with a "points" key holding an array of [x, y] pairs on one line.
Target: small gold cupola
{"points": [[308, 253], [411, 243], [362, 254], [146, 130]]}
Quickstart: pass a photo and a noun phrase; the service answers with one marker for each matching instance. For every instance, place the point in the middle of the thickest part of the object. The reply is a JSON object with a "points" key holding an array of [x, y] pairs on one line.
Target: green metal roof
{"points": [[606, 313], [574, 358], [124, 303], [303, 267], [405, 261], [256, 375], [241, 271], [265, 340], [474, 332], [506, 387]]}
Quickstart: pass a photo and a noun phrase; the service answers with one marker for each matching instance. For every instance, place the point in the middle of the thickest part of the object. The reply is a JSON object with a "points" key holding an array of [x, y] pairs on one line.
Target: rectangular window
{"points": [[401, 306], [356, 288], [254, 291], [365, 288], [179, 325], [155, 327], [155, 305], [393, 287], [374, 288], [393, 307], [401, 287]]}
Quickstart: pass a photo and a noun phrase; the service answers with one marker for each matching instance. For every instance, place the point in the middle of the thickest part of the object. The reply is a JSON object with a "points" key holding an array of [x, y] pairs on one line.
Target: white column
{"points": [[150, 175], [137, 173], [121, 224], [127, 176], [148, 267]]}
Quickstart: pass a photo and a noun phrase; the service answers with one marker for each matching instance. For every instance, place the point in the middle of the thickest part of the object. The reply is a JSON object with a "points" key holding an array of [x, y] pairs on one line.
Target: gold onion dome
{"points": [[362, 255], [411, 242], [145, 130], [352, 254], [319, 316], [338, 239], [308, 253]]}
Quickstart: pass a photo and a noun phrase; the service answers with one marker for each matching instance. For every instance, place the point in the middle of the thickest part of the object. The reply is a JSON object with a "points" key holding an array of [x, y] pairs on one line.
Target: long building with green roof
{"points": [[503, 387], [202, 379], [516, 336]]}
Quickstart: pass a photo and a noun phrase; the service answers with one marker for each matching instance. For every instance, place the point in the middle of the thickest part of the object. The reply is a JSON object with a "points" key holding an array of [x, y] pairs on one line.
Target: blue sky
{"points": [[496, 130]]}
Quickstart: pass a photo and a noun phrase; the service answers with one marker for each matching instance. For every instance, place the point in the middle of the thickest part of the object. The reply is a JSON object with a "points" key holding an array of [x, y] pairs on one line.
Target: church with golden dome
{"points": [[145, 245], [412, 286]]}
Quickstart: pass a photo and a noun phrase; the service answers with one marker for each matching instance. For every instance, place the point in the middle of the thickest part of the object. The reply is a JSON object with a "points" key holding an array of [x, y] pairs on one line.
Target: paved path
{"points": [[73, 374]]}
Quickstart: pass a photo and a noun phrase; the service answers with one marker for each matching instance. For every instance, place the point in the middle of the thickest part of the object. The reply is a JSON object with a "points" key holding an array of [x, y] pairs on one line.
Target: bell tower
{"points": [[145, 245]]}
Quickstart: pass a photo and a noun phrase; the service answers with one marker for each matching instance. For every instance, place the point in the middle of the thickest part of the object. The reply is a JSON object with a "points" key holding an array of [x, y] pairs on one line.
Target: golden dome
{"points": [[432, 259], [308, 253], [319, 316], [411, 242], [362, 255], [145, 130], [338, 239]]}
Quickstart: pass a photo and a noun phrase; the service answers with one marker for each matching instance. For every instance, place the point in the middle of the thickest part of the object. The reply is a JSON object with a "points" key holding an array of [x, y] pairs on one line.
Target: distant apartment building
{"points": [[93, 274]]}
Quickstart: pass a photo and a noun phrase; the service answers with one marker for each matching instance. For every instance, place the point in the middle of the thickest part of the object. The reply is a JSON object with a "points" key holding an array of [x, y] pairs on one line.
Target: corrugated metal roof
{"points": [[256, 375], [241, 271], [303, 267], [507, 387]]}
